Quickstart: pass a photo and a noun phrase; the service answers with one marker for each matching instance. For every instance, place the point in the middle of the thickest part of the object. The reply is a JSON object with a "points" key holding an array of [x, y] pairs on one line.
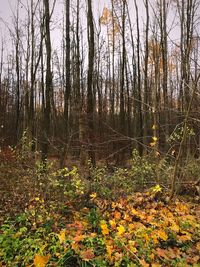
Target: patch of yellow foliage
{"points": [[41, 261], [104, 228]]}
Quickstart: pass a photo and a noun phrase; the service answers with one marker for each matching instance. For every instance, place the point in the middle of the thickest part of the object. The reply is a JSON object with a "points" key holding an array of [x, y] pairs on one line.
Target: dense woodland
{"points": [[100, 133], [112, 84]]}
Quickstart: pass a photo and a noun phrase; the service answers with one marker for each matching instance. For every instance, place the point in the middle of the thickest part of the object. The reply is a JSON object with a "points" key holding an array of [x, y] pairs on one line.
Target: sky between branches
{"points": [[8, 7]]}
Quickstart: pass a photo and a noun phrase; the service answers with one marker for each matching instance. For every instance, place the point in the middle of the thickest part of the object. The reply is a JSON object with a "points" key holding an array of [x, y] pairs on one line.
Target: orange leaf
{"points": [[87, 255], [172, 253], [79, 238], [127, 218], [184, 238], [117, 215], [144, 263], [162, 253], [109, 251], [112, 224], [41, 261]]}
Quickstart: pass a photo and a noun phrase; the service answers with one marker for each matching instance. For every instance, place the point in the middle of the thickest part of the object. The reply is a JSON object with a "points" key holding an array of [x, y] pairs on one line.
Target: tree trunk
{"points": [[48, 86], [90, 104]]}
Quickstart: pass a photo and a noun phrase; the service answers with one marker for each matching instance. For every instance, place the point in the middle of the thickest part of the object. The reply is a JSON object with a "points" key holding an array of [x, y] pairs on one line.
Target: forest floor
{"points": [[57, 219]]}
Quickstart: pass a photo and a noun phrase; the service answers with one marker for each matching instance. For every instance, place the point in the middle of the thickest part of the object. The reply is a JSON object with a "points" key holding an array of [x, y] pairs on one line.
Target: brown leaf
{"points": [[193, 260], [162, 253], [87, 255]]}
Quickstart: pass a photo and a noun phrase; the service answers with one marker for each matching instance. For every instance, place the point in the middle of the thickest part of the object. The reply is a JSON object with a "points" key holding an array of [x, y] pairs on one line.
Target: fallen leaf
{"points": [[117, 215], [162, 253], [184, 238], [112, 224], [93, 195], [87, 255], [41, 261], [162, 235], [144, 263], [121, 230], [104, 228], [109, 250], [79, 238], [174, 227], [61, 236]]}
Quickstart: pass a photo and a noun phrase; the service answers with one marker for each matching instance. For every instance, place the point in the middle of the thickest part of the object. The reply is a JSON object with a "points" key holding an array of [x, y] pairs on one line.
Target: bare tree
{"points": [[48, 86], [90, 104]]}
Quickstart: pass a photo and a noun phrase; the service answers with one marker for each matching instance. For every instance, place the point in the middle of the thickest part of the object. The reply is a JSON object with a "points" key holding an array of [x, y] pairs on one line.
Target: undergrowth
{"points": [[62, 218]]}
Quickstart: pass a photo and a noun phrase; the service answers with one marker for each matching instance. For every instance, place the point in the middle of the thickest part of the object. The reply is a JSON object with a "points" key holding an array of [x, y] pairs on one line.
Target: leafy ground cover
{"points": [[57, 218], [136, 230]]}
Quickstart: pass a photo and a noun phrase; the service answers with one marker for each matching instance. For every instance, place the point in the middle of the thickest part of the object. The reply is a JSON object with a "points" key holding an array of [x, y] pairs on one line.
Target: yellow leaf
{"points": [[121, 230], [155, 139], [134, 212], [162, 235], [61, 236], [132, 247], [174, 227], [41, 261], [146, 237], [112, 224], [182, 209], [156, 189], [154, 127], [154, 237], [152, 144], [104, 228], [109, 251], [132, 242], [131, 227], [93, 195]]}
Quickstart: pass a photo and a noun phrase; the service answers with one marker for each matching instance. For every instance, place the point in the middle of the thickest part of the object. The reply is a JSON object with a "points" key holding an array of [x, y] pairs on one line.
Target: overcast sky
{"points": [[9, 6]]}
